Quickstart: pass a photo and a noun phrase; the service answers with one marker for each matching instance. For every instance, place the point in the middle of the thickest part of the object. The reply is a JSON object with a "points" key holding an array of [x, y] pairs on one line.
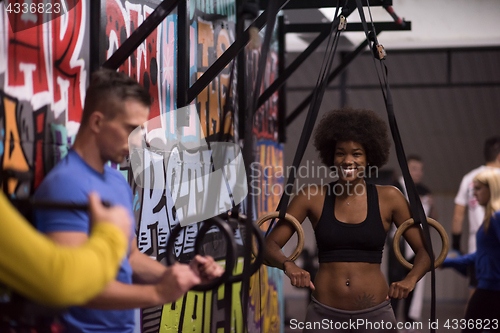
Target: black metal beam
{"points": [[443, 85], [291, 68], [304, 4], [282, 91], [96, 20], [320, 27], [140, 34], [241, 85], [227, 56], [300, 59], [182, 54], [347, 60]]}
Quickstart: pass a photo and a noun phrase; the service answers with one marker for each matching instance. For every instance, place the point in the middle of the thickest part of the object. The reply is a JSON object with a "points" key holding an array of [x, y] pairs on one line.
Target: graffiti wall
{"points": [[267, 183], [43, 77], [44, 70]]}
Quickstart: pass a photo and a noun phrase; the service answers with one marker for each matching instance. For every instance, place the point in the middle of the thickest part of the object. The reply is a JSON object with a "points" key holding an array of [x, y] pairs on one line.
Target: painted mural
{"points": [[43, 78], [44, 72], [266, 287]]}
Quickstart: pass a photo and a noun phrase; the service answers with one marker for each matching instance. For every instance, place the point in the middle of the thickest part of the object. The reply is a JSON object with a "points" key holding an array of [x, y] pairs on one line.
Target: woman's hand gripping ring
{"points": [[408, 223], [295, 223]]}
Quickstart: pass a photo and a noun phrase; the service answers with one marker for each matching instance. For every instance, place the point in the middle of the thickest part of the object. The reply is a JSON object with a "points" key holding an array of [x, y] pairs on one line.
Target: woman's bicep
{"points": [[401, 208], [283, 230], [401, 213]]}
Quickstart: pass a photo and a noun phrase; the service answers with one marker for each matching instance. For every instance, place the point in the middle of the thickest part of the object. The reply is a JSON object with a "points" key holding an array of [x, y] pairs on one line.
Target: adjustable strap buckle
{"points": [[342, 23], [379, 51]]}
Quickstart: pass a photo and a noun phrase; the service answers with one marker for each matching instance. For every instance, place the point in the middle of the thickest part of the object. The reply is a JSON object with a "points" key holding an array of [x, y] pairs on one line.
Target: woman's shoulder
{"points": [[496, 218], [391, 195], [389, 191]]}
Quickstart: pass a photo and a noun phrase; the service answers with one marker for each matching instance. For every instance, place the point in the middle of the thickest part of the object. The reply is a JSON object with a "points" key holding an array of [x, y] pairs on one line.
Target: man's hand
{"points": [[116, 215], [177, 280], [206, 268]]}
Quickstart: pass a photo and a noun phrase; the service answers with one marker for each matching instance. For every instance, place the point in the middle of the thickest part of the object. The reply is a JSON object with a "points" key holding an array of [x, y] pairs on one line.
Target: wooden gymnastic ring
{"points": [[433, 223], [294, 222]]}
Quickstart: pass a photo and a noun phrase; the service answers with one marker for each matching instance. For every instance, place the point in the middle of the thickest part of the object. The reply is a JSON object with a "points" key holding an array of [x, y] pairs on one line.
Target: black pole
{"points": [[303, 4], [96, 22], [282, 91], [182, 54], [241, 73]]}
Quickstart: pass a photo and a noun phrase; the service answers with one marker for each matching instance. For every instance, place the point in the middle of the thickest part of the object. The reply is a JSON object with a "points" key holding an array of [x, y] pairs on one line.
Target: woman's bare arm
{"points": [[282, 232], [400, 213]]}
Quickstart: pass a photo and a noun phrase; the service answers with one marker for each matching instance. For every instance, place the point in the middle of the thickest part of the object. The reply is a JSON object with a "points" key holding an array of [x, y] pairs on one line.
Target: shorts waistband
{"points": [[356, 312]]}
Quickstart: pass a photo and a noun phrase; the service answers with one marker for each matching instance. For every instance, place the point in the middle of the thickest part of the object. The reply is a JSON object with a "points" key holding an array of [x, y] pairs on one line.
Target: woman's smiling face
{"points": [[350, 160]]}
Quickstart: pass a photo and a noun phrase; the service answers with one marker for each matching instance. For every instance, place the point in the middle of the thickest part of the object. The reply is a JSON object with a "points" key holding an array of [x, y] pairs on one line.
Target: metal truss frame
{"points": [[186, 93]]}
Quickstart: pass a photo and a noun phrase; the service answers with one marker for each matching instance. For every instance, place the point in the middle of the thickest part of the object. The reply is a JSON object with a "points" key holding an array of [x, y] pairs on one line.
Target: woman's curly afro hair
{"points": [[358, 125]]}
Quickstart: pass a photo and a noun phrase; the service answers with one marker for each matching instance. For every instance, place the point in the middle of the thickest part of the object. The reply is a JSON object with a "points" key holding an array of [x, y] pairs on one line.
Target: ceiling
{"points": [[435, 24]]}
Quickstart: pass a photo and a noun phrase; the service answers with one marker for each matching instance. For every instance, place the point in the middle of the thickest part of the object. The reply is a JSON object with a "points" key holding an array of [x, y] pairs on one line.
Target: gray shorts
{"points": [[322, 318]]}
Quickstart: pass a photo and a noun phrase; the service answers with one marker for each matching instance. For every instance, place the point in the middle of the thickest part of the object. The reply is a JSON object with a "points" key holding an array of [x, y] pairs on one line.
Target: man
{"points": [[414, 302], [465, 200], [114, 106]]}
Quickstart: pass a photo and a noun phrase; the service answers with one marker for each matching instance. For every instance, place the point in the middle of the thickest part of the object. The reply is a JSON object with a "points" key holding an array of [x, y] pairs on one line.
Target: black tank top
{"points": [[346, 242]]}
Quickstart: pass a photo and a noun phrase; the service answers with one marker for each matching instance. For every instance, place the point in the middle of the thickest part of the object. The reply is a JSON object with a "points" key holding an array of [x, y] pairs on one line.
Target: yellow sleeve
{"points": [[47, 273]]}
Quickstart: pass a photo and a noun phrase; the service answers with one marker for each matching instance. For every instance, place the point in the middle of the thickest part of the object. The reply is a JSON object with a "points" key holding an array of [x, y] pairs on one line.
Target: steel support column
{"points": [[282, 91], [182, 54]]}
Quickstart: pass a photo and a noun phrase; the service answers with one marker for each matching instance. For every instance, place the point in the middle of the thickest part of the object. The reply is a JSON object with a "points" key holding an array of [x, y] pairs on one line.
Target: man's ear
{"points": [[96, 120]]}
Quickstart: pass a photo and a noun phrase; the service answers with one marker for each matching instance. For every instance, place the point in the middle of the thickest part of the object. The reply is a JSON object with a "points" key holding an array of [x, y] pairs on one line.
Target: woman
{"points": [[483, 309], [350, 218]]}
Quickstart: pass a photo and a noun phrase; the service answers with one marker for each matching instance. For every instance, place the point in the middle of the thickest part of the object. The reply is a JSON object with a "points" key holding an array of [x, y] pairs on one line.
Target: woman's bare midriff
{"points": [[350, 285]]}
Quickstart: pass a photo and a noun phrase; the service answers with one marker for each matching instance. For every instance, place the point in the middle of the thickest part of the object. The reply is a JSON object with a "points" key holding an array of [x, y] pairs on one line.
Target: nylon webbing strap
{"points": [[312, 113], [413, 197]]}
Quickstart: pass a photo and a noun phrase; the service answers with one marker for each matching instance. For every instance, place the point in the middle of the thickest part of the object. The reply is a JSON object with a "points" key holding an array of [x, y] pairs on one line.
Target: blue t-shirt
{"points": [[487, 260], [71, 181]]}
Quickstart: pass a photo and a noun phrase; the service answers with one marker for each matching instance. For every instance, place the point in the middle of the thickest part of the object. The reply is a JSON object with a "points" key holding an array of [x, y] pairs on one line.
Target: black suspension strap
{"points": [[338, 24], [413, 197]]}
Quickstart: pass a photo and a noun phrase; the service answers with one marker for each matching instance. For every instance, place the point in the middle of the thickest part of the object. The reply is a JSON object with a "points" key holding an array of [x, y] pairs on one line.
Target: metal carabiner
{"points": [[379, 52], [342, 23]]}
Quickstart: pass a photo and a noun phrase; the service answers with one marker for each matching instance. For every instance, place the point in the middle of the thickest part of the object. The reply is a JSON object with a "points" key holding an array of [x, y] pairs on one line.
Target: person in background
{"points": [[465, 200], [483, 308], [412, 305]]}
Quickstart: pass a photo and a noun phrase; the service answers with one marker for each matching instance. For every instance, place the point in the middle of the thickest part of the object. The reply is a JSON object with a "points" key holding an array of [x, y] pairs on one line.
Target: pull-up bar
{"points": [[304, 4]]}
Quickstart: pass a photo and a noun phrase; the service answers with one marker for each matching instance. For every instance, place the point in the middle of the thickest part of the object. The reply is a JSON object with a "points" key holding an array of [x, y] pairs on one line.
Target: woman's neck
{"points": [[356, 187]]}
